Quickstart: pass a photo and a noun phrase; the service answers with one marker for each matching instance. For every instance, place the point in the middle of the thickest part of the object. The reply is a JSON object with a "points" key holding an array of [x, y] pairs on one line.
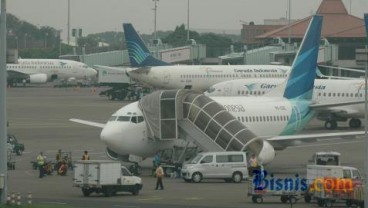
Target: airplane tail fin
{"points": [[139, 55], [303, 71], [299, 84]]}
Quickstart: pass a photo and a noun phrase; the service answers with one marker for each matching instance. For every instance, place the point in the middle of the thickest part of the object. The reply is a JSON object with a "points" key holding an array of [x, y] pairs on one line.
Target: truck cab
{"points": [[325, 158]]}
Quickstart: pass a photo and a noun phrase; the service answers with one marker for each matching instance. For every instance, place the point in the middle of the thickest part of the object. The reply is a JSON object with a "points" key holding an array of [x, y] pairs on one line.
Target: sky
{"points": [[95, 16]]}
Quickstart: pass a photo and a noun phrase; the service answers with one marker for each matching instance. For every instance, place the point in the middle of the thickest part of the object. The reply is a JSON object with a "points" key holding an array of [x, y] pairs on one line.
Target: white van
{"points": [[230, 166]]}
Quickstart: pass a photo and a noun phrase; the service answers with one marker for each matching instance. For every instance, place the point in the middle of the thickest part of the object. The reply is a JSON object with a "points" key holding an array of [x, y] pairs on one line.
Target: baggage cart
{"points": [[285, 196]]}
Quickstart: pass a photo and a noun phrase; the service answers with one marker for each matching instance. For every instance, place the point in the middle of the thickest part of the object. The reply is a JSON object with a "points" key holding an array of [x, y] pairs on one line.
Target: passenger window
{"points": [[222, 158], [346, 174], [207, 159], [236, 158], [356, 174]]}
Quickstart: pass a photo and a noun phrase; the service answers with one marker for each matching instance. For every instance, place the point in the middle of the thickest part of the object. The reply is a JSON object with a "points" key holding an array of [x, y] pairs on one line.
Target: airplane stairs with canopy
{"points": [[184, 114]]}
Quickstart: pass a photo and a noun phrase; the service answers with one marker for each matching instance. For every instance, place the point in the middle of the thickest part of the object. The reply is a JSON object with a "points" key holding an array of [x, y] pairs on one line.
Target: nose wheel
{"points": [[331, 125]]}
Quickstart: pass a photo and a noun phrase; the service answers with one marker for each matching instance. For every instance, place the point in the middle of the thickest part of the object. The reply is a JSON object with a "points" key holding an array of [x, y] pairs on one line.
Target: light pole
{"points": [[155, 20], [46, 36], [68, 22], [3, 113], [289, 15], [59, 31], [16, 39], [188, 22], [366, 116], [25, 40]]}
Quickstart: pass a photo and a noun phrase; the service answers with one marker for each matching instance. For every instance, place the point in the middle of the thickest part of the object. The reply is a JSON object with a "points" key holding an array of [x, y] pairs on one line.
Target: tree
{"points": [[179, 36]]}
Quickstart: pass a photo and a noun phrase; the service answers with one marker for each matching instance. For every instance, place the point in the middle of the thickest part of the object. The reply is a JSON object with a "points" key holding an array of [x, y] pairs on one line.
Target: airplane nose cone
{"points": [[111, 136], [93, 72]]}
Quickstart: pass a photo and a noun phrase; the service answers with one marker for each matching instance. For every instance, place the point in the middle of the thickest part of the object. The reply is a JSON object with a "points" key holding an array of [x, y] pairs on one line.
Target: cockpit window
{"points": [[137, 119], [140, 119], [134, 119], [124, 118], [112, 118], [85, 66], [211, 89]]}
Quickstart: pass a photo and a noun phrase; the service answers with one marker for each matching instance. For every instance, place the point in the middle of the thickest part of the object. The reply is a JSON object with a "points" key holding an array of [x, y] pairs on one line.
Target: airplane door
{"points": [[227, 89]]}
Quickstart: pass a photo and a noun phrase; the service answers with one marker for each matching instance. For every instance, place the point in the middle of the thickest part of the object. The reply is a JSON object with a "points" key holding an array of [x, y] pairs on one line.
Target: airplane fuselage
{"points": [[49, 69], [200, 78], [325, 91]]}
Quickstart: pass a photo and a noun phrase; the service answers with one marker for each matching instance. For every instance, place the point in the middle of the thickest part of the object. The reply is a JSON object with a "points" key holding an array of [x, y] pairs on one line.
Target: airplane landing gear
{"points": [[331, 124], [135, 169], [355, 123]]}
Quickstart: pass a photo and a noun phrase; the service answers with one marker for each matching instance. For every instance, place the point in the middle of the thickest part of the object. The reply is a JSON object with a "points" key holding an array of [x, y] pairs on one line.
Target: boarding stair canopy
{"points": [[178, 114]]}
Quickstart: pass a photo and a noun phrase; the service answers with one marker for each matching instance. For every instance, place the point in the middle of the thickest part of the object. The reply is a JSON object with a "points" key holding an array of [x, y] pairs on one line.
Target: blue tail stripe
{"points": [[303, 73], [139, 55]]}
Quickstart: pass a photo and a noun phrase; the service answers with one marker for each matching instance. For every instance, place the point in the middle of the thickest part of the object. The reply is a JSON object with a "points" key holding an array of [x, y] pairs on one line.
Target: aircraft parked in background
{"points": [[39, 71], [325, 91], [159, 74]]}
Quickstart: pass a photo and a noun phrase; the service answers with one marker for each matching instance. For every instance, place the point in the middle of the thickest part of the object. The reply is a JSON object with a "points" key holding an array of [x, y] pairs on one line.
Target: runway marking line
{"points": [[193, 198], [152, 198], [62, 203]]}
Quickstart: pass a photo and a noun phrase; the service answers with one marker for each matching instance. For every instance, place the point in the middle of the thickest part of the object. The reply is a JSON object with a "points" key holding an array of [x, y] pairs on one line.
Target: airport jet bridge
{"points": [[184, 114]]}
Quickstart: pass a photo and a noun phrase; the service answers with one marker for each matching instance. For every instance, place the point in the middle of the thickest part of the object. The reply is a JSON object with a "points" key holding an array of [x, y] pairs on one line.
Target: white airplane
{"points": [[38, 71], [130, 132], [325, 91], [159, 74]]}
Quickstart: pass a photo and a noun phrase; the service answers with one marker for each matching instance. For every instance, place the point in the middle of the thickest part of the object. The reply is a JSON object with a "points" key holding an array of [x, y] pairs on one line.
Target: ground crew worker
{"points": [[58, 160], [85, 155], [253, 161], [253, 164], [159, 174], [63, 168], [41, 163]]}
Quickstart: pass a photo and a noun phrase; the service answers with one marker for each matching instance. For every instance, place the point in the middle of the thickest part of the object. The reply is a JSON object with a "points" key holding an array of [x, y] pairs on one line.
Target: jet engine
{"points": [[37, 78], [267, 153]]}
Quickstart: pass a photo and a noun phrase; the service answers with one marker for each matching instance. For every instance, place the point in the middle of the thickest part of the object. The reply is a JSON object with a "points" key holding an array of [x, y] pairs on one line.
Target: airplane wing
{"points": [[281, 142], [88, 123], [139, 70], [344, 69], [14, 74], [323, 106]]}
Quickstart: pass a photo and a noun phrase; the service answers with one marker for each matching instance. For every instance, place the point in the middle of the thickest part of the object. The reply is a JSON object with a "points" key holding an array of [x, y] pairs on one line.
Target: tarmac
{"points": [[39, 118]]}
